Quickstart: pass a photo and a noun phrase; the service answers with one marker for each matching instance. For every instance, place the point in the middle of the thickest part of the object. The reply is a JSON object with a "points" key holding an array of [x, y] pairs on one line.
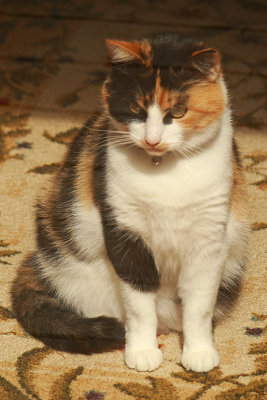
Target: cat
{"points": [[144, 228]]}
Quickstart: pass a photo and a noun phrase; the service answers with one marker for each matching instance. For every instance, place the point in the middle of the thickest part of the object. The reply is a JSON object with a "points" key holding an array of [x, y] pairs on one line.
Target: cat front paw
{"points": [[200, 361], [144, 360]]}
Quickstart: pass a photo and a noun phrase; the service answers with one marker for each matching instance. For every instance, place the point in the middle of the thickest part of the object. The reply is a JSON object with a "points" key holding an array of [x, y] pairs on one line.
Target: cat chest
{"points": [[132, 179], [173, 234], [174, 210]]}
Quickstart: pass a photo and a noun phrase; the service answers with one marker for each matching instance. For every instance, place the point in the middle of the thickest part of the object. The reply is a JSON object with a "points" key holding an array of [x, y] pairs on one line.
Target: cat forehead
{"points": [[174, 59], [158, 50], [148, 85], [148, 80], [161, 69], [165, 96]]}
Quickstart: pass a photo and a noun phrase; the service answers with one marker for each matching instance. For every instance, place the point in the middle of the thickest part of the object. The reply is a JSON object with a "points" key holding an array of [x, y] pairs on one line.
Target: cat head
{"points": [[164, 92]]}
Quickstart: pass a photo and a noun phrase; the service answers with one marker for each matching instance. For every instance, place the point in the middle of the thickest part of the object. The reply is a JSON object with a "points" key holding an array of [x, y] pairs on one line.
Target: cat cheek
{"points": [[198, 121], [137, 131], [206, 103], [175, 133]]}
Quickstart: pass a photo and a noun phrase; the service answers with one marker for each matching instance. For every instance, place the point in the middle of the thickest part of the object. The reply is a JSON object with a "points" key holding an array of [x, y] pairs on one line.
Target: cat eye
{"points": [[179, 112], [135, 108]]}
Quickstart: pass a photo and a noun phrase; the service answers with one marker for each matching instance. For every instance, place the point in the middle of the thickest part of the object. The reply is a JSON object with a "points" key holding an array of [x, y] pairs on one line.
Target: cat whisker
{"points": [[106, 130], [187, 151], [120, 141]]}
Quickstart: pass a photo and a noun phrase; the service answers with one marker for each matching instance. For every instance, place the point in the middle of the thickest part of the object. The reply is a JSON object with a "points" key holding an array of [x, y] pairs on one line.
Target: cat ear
{"points": [[208, 62], [122, 51]]}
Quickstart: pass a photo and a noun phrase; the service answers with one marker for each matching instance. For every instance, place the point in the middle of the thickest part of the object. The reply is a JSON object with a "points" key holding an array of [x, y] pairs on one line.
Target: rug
{"points": [[53, 60]]}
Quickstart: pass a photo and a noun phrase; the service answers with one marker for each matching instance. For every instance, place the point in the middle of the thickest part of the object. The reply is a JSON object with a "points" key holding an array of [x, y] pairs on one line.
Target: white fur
{"points": [[154, 126], [141, 350], [89, 288]]}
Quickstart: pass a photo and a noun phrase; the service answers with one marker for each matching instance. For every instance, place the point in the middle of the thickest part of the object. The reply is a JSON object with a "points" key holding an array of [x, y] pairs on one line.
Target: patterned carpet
{"points": [[53, 60]]}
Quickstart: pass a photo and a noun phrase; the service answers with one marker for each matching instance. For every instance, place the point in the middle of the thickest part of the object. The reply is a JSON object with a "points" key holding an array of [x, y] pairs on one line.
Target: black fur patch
{"points": [[45, 242], [130, 257], [70, 332], [228, 294], [236, 154]]}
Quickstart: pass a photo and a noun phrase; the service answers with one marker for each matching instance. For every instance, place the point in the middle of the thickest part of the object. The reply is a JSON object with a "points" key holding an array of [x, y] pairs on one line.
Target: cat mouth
{"points": [[157, 150]]}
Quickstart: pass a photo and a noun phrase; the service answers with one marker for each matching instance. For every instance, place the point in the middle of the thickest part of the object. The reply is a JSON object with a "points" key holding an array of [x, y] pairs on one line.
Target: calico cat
{"points": [[143, 229]]}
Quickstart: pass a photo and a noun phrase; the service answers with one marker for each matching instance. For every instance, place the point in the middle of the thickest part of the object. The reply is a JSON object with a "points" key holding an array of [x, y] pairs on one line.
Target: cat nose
{"points": [[153, 134], [152, 142]]}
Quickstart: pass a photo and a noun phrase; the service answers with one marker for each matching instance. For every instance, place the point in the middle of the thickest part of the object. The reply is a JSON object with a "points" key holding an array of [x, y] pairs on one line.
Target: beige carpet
{"points": [[53, 58]]}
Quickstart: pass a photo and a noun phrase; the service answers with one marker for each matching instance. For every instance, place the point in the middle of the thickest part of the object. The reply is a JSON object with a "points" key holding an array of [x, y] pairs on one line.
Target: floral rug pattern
{"points": [[53, 61]]}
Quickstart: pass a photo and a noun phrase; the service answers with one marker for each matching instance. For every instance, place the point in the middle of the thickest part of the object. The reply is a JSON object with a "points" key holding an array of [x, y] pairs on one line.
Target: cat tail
{"points": [[45, 318]]}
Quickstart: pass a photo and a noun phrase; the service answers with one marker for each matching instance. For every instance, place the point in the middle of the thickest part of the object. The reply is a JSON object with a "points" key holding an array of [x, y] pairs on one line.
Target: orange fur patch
{"points": [[46, 212], [205, 105], [26, 278], [164, 98], [84, 181], [144, 101], [146, 52], [104, 92], [85, 167]]}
